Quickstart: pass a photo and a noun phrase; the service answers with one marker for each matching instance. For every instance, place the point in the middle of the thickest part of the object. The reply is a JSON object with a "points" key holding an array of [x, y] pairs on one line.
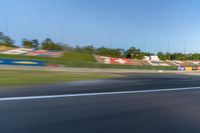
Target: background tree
{"points": [[134, 53], [6, 41], [89, 49], [178, 56], [67, 47], [36, 43], [30, 44], [164, 56], [78, 49], [109, 52], [48, 44], [27, 44]]}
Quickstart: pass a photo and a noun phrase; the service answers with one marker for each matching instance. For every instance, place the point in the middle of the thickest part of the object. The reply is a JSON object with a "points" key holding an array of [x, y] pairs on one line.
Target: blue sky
{"points": [[147, 24]]}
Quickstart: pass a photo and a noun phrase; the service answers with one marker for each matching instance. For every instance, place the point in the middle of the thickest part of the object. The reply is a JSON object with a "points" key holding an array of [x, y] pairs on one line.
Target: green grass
{"points": [[68, 58], [30, 77], [83, 60], [96, 65]]}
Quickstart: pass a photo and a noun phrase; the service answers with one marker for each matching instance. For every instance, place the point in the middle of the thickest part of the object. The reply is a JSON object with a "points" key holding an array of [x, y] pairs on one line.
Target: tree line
{"points": [[178, 56], [47, 44], [131, 53]]}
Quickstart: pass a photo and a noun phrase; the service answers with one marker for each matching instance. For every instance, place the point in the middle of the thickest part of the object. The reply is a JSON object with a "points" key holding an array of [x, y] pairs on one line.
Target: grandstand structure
{"points": [[29, 52], [4, 48], [147, 61]]}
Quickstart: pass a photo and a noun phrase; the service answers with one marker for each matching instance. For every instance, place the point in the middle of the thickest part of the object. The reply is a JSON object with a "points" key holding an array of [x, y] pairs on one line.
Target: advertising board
{"points": [[22, 62]]}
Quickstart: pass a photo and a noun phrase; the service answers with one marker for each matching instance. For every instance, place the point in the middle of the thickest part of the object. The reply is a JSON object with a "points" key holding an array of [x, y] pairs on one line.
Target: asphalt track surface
{"points": [[175, 111]]}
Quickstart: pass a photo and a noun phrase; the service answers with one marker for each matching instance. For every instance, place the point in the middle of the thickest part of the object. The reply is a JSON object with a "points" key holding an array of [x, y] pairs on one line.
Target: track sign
{"points": [[121, 61]]}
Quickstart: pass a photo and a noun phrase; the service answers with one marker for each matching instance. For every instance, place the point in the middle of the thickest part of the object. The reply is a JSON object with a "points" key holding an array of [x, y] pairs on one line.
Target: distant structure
{"points": [[151, 58]]}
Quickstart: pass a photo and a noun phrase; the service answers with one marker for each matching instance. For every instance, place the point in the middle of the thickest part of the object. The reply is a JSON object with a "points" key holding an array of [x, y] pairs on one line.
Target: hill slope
{"points": [[76, 59]]}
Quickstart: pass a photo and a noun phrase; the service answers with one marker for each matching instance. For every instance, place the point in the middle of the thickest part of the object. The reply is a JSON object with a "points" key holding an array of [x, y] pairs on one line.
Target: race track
{"points": [[163, 103]]}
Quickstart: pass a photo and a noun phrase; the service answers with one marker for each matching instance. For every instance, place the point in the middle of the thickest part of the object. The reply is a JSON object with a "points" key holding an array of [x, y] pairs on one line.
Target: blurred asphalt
{"points": [[162, 112]]}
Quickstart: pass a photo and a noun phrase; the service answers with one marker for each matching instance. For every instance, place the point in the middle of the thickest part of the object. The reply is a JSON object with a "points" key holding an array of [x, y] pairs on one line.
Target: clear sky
{"points": [[147, 24]]}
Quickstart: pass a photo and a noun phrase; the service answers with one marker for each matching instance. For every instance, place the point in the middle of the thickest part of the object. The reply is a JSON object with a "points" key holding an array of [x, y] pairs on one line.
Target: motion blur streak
{"points": [[95, 94], [162, 111]]}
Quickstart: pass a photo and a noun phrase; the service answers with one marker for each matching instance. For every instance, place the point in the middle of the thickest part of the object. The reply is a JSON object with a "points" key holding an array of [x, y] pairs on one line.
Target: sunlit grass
{"points": [[29, 77]]}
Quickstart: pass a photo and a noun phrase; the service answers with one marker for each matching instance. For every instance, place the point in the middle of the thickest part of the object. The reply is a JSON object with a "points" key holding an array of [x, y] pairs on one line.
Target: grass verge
{"points": [[31, 77]]}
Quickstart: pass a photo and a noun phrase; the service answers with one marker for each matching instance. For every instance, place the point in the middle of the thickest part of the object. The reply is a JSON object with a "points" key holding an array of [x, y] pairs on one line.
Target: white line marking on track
{"points": [[95, 94]]}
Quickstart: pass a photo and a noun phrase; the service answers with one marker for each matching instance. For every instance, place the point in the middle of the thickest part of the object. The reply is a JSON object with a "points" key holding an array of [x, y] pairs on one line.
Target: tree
{"points": [[134, 53], [27, 44], [164, 56], [48, 44], [30, 44], [67, 47], [109, 52], [79, 49], [36, 43], [6, 41], [89, 49]]}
